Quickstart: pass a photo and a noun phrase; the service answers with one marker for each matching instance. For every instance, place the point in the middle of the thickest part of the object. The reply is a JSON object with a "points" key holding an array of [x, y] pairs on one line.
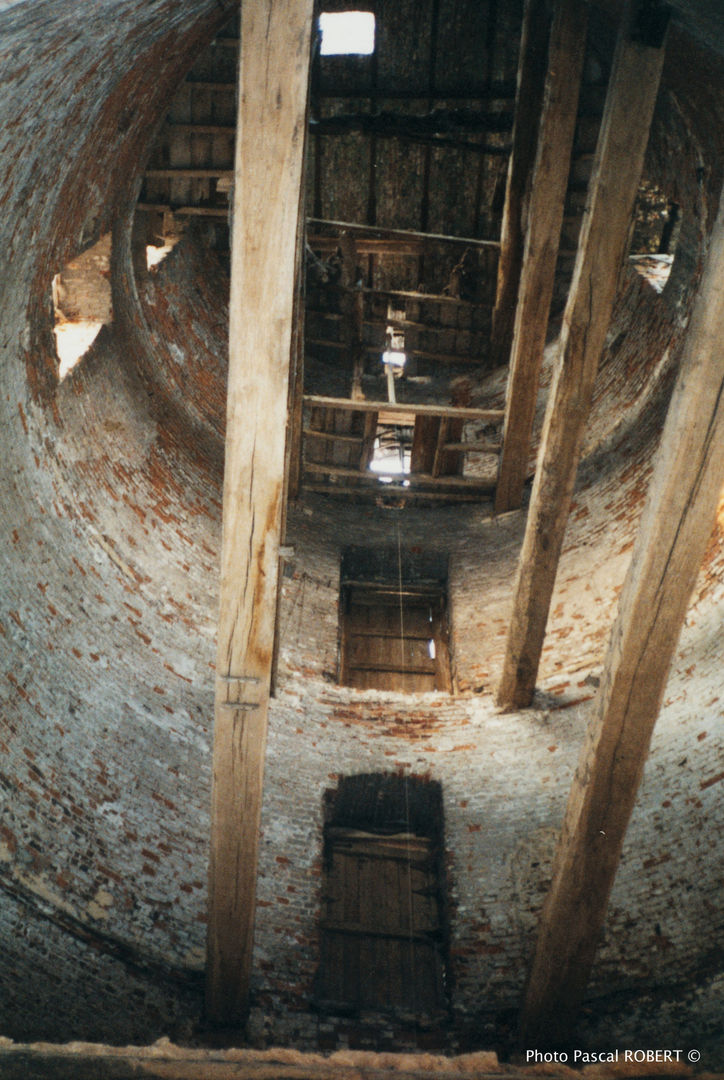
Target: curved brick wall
{"points": [[110, 509]]}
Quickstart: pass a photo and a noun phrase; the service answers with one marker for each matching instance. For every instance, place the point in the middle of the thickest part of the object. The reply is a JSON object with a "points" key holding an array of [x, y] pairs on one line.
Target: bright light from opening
{"points": [[156, 255], [72, 342], [394, 358], [390, 461], [346, 33]]}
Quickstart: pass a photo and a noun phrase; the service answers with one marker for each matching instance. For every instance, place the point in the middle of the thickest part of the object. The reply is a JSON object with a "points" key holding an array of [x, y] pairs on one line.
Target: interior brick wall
{"points": [[110, 502]]}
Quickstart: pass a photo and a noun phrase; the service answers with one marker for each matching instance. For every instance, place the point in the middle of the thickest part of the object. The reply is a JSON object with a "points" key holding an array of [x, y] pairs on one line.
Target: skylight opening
{"points": [[347, 33]]}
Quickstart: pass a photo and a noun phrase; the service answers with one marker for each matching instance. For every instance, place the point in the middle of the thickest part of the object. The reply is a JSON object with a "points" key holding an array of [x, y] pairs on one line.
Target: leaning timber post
{"points": [[675, 528], [273, 88], [528, 102], [622, 141], [566, 52]]}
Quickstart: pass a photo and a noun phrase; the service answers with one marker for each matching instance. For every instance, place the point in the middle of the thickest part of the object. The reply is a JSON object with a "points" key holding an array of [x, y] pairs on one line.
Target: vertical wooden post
{"points": [[274, 75], [528, 100], [566, 52], [617, 168], [353, 312], [672, 538]]}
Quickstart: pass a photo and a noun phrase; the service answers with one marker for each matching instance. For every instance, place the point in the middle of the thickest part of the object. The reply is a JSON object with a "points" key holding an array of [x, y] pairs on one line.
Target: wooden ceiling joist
{"points": [[622, 141], [411, 294], [404, 409], [184, 211], [274, 72], [545, 216], [410, 484], [367, 245], [400, 234], [675, 528], [397, 494]]}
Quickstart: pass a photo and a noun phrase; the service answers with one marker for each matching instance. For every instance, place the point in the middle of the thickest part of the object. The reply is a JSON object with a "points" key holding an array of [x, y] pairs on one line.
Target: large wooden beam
{"points": [[566, 52], [403, 409], [617, 167], [674, 531], [528, 98], [274, 69]]}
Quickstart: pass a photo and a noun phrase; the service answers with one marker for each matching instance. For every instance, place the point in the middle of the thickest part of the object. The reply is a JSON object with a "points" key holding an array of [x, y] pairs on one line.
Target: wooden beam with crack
{"points": [[622, 141], [274, 76], [675, 528]]}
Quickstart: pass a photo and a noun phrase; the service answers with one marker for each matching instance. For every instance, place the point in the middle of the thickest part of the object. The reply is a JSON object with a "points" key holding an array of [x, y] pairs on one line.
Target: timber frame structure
{"points": [[363, 581], [335, 444]]}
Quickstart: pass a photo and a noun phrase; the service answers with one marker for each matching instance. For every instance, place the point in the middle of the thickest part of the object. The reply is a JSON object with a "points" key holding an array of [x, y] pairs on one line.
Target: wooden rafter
{"points": [[617, 168], [274, 80], [548, 195], [674, 531]]}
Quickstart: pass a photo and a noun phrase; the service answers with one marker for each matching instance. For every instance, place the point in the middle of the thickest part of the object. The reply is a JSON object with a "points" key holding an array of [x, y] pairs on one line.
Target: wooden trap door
{"points": [[381, 933], [393, 642]]}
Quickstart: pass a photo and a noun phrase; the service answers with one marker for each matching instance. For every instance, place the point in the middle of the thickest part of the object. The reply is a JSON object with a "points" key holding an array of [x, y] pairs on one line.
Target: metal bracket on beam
{"points": [[239, 706]]}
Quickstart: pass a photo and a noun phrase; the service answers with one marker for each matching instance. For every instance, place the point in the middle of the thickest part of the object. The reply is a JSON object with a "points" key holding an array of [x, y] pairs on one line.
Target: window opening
{"points": [[81, 303], [657, 223], [164, 237], [383, 940], [394, 621], [347, 33], [156, 253]]}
